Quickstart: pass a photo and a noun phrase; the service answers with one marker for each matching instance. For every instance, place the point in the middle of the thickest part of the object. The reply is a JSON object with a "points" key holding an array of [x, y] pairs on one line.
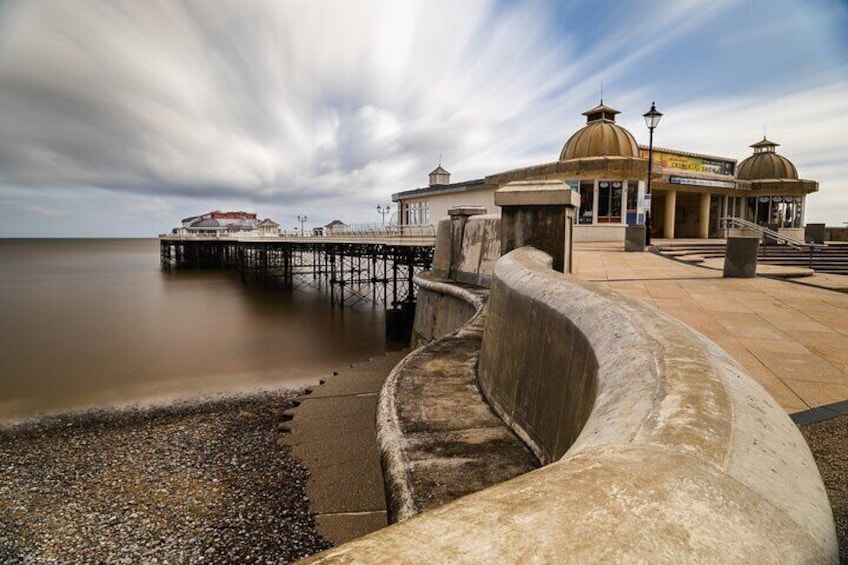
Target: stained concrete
{"points": [[439, 437], [634, 238], [683, 458], [333, 434], [740, 260]]}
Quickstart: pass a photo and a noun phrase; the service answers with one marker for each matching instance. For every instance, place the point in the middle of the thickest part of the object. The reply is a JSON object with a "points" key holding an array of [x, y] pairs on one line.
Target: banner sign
{"points": [[701, 182], [693, 164]]}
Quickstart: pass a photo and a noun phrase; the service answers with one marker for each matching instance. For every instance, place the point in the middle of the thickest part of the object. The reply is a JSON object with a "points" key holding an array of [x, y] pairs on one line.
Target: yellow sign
{"points": [[691, 164]]}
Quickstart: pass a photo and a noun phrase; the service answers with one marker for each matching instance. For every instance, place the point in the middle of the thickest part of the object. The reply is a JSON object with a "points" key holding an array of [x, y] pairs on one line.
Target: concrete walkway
{"points": [[333, 435], [791, 337]]}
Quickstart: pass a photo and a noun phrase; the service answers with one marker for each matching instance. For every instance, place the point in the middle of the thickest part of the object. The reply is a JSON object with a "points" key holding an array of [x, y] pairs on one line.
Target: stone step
{"points": [[332, 432]]}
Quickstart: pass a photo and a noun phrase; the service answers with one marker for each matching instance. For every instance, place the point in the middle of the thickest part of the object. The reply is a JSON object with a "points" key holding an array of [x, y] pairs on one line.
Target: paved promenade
{"points": [[790, 336]]}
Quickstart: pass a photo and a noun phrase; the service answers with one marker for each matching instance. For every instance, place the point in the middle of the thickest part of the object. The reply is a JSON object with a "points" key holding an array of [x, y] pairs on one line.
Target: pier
{"points": [[372, 267]]}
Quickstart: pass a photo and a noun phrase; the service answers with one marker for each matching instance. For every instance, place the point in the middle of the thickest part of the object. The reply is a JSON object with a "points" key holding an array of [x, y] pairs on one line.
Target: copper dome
{"points": [[765, 163], [600, 137]]}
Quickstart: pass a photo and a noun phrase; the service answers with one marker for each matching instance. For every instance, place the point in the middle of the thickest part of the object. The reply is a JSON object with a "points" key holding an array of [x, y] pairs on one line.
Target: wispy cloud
{"points": [[327, 107]]}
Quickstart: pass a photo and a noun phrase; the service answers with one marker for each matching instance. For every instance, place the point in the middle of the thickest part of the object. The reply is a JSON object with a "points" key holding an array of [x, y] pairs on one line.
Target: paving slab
{"points": [[790, 334]]}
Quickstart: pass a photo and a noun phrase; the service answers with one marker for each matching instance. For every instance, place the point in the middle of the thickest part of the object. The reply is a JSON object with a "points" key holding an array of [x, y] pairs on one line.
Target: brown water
{"points": [[93, 323]]}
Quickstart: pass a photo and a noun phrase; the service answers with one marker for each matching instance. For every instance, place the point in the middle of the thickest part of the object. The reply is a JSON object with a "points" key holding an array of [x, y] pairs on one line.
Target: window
{"points": [[776, 211], [633, 202], [417, 213], [609, 201], [587, 201]]}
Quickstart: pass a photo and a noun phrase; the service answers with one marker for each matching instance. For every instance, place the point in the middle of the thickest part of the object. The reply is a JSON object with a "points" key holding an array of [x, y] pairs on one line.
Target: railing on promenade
{"points": [[767, 234]]}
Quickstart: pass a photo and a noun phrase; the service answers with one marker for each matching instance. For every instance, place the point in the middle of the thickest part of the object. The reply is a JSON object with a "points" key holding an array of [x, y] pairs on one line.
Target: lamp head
{"points": [[652, 117]]}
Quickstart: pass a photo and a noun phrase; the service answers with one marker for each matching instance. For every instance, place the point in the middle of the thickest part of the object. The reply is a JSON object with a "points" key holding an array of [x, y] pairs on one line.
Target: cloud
{"points": [[328, 107]]}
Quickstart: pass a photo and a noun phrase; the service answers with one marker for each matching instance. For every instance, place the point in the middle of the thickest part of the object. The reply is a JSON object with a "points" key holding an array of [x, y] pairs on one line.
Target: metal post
{"points": [[648, 188]]}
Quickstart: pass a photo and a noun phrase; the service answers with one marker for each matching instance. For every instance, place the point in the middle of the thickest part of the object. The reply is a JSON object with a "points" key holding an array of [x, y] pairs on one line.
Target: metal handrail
{"points": [[385, 230], [790, 241]]}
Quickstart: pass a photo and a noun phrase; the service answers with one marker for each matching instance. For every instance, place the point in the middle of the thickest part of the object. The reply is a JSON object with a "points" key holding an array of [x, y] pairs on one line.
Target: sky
{"points": [[118, 118]]}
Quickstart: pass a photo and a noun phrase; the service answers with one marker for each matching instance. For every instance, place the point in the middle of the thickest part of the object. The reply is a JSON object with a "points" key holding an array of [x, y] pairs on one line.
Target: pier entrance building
{"points": [[691, 192]]}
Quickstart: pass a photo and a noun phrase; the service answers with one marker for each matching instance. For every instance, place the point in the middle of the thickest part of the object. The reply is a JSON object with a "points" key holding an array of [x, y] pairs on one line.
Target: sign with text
{"points": [[689, 163], [701, 182]]}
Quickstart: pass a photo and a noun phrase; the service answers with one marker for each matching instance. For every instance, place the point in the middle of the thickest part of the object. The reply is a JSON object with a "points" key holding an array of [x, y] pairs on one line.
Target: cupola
{"points": [[439, 176], [765, 163], [600, 137]]}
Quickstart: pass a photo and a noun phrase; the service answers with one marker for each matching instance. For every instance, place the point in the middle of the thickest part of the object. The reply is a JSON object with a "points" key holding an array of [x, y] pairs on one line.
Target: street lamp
{"points": [[302, 219], [652, 120], [383, 211]]}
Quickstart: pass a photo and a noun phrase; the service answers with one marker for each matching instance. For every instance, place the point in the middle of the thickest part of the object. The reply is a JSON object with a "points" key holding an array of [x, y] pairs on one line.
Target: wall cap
{"points": [[536, 193]]}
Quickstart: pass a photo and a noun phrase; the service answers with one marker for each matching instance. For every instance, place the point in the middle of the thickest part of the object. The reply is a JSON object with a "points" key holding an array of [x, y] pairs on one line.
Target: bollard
{"points": [[740, 259], [814, 233], [634, 238]]}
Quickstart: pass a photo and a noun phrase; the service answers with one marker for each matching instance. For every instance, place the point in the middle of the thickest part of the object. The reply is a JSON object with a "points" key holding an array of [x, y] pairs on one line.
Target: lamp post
{"points": [[652, 120], [383, 211], [302, 220]]}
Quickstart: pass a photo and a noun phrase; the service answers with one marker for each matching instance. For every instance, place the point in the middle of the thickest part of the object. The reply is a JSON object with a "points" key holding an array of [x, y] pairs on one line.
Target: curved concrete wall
{"points": [[682, 458], [440, 309]]}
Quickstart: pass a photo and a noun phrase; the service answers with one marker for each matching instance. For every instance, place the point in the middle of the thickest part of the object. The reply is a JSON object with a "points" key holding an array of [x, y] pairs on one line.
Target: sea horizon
{"points": [[92, 323]]}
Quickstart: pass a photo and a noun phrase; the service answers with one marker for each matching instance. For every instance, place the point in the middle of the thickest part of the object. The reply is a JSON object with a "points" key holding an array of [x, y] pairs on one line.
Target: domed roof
{"points": [[765, 163], [206, 223], [600, 137]]}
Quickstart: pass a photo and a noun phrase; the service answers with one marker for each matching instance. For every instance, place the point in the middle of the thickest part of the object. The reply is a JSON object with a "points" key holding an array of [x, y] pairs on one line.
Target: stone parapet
{"points": [[679, 455]]}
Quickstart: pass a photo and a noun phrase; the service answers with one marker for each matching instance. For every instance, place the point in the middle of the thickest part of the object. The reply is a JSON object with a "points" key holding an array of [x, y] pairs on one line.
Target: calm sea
{"points": [[94, 323]]}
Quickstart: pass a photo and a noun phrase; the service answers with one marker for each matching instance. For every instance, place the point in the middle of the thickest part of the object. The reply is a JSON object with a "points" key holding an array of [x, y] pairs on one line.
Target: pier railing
{"points": [[385, 230], [370, 267], [354, 232]]}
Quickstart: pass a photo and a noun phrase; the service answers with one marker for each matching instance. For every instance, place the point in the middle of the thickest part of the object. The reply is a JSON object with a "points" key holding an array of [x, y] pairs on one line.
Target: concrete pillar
{"points": [[670, 206], [458, 217], [704, 216], [740, 259], [540, 214]]}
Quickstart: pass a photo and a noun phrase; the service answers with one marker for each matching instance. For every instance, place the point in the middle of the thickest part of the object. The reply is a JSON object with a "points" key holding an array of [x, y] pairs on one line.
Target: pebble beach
{"points": [[201, 482], [206, 482]]}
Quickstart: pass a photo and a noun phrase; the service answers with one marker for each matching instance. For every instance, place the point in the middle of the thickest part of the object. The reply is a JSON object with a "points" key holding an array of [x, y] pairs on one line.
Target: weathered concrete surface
{"points": [[543, 381], [444, 250], [634, 238], [683, 458], [439, 438], [440, 310], [480, 250], [467, 246], [540, 214], [333, 434], [740, 260]]}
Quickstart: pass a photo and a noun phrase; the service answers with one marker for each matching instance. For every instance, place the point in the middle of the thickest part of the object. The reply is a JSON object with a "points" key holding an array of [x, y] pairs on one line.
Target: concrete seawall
{"points": [[658, 447]]}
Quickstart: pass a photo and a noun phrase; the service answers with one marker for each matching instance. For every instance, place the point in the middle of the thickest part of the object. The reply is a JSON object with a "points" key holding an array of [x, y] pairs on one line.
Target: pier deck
{"points": [[371, 268]]}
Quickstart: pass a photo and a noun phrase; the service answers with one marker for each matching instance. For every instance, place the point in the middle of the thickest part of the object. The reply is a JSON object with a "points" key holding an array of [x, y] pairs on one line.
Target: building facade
{"points": [[690, 192], [219, 224]]}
